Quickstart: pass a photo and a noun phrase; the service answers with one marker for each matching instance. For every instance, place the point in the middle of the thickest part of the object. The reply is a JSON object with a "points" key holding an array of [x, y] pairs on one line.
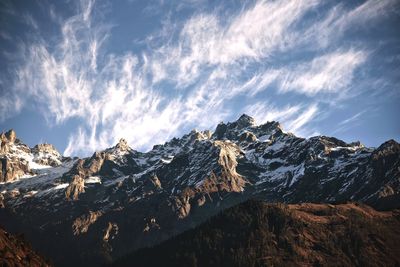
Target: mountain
{"points": [[97, 209], [255, 233], [14, 251]]}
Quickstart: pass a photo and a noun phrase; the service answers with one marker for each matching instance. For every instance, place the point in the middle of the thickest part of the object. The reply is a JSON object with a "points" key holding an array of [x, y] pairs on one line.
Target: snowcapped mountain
{"points": [[99, 208]]}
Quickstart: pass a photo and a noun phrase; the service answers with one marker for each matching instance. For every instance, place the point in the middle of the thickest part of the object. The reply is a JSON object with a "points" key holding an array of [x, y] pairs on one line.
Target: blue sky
{"points": [[83, 74]]}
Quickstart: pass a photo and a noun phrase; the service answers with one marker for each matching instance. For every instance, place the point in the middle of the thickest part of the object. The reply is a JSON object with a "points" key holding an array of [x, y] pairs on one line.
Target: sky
{"points": [[83, 74]]}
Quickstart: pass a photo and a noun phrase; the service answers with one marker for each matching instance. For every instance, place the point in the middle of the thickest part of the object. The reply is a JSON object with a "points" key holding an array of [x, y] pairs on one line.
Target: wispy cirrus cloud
{"points": [[294, 118], [192, 69], [330, 73], [339, 20]]}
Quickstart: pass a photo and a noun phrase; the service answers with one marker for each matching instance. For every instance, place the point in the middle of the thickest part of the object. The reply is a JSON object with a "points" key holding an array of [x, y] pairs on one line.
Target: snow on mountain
{"points": [[119, 192]]}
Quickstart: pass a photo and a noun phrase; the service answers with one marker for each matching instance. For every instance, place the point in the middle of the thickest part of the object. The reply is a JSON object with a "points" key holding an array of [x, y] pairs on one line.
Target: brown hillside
{"points": [[259, 234]]}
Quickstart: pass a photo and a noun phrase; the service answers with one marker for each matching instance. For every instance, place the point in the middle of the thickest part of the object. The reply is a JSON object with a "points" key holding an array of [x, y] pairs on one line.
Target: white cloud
{"points": [[9, 105], [352, 118], [328, 73], [207, 39], [297, 125], [294, 118], [188, 81], [264, 112], [338, 20]]}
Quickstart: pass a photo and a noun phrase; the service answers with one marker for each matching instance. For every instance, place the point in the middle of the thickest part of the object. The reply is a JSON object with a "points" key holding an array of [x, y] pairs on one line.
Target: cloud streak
{"points": [[193, 69]]}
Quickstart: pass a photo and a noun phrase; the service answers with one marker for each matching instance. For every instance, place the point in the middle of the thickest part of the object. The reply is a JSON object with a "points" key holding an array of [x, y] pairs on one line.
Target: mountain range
{"points": [[96, 210]]}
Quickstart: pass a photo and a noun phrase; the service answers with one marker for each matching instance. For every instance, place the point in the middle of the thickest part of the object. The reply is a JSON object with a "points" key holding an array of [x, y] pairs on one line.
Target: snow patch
{"points": [[60, 186], [93, 180], [264, 138]]}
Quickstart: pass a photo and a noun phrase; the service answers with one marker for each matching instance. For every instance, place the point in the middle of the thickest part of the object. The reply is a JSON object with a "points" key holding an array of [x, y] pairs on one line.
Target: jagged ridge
{"points": [[120, 199]]}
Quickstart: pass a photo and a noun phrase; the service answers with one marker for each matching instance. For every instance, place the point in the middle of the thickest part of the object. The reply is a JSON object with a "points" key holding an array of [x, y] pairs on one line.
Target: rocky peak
{"points": [[196, 135], [387, 148], [6, 139], [246, 129], [46, 154], [45, 148], [231, 129], [122, 145], [220, 130], [245, 121], [11, 136], [271, 126]]}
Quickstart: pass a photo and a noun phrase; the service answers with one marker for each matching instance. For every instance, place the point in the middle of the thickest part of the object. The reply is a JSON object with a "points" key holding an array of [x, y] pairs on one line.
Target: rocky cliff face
{"points": [[17, 160], [101, 207]]}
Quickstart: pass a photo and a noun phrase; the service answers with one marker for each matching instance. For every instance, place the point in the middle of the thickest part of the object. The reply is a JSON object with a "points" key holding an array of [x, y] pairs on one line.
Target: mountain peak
{"points": [[122, 145], [45, 148], [9, 136], [245, 121]]}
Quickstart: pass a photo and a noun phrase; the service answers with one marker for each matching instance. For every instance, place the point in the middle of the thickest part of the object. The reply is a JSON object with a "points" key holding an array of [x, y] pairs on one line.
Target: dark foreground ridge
{"points": [[259, 234], [16, 252]]}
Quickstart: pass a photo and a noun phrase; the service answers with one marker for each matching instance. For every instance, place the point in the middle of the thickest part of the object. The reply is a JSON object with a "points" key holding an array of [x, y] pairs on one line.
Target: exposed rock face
{"points": [[181, 205], [7, 139], [76, 187], [81, 224], [245, 121], [95, 163], [2, 206], [13, 168], [17, 159], [110, 232], [220, 177], [88, 167], [46, 154], [156, 182], [123, 145], [248, 137], [233, 182], [11, 136], [183, 182]]}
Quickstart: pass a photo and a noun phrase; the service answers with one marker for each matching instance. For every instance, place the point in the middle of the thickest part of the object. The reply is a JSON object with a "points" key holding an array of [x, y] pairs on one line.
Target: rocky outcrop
{"points": [[222, 178], [151, 224], [82, 223], [245, 121], [76, 187], [46, 154], [123, 145], [6, 139], [88, 167], [247, 137], [231, 180], [181, 204], [13, 168], [2, 206], [17, 152], [156, 182], [185, 181], [110, 232]]}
